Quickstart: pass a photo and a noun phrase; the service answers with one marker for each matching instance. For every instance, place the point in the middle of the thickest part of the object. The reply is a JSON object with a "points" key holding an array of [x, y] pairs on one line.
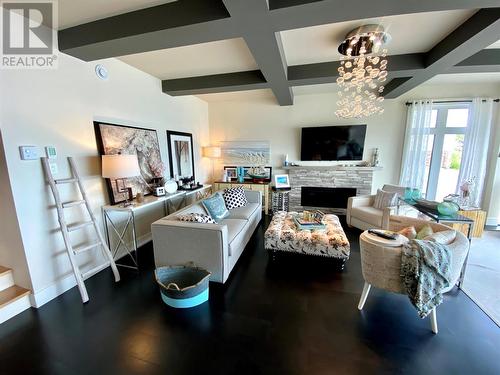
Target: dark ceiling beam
{"points": [[239, 81], [175, 24], [400, 68], [264, 44], [478, 32], [293, 14], [318, 73]]}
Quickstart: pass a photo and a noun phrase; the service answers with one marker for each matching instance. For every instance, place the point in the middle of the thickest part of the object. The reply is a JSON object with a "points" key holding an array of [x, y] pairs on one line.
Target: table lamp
{"points": [[120, 167], [212, 152]]}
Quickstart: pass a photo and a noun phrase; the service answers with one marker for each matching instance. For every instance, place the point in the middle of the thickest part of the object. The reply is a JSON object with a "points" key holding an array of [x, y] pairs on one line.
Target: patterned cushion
{"points": [[409, 232], [235, 197], [385, 199], [197, 218], [216, 207]]}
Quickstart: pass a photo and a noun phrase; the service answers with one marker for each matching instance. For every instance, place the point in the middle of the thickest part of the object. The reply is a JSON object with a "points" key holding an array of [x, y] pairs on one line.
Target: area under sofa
{"points": [[215, 247]]}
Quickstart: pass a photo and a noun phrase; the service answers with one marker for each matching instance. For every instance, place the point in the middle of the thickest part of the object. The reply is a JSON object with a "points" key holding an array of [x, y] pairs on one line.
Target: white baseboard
{"points": [[40, 298], [14, 308], [492, 221]]}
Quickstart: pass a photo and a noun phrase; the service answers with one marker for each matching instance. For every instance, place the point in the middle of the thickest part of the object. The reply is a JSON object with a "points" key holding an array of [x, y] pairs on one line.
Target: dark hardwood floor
{"points": [[294, 316]]}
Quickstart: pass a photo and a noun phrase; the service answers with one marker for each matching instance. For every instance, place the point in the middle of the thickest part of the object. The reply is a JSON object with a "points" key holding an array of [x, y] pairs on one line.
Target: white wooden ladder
{"points": [[67, 228]]}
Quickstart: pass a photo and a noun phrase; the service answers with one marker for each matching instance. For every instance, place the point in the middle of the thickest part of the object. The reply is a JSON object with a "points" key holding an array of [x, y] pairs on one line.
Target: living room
{"points": [[220, 76]]}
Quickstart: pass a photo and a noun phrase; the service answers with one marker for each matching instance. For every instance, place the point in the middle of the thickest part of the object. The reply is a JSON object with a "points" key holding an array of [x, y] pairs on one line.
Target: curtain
{"points": [[475, 151], [415, 149]]}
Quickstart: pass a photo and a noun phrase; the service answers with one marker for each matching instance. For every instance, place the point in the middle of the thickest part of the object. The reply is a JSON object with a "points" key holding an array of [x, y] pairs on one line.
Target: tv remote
{"points": [[387, 236]]}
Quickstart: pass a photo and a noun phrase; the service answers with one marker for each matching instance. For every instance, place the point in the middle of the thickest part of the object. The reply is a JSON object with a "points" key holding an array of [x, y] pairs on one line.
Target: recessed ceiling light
{"points": [[101, 72]]}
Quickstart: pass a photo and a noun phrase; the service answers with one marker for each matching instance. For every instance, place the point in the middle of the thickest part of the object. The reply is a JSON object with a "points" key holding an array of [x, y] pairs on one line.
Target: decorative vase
{"points": [[408, 194], [448, 208], [241, 174], [415, 194]]}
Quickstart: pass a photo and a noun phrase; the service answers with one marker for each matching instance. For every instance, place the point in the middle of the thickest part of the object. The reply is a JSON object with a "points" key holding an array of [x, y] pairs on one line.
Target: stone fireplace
{"points": [[348, 180]]}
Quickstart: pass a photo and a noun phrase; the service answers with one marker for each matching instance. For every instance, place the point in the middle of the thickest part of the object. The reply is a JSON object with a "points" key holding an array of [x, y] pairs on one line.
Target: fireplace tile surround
{"points": [[360, 178]]}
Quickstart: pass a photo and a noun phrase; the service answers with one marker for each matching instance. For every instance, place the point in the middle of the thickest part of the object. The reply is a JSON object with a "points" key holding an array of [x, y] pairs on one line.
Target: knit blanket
{"points": [[425, 272]]}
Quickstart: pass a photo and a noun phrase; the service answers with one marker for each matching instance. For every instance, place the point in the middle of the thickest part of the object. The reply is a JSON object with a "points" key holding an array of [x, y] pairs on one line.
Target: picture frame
{"points": [[282, 181], [232, 174], [113, 139], [181, 154]]}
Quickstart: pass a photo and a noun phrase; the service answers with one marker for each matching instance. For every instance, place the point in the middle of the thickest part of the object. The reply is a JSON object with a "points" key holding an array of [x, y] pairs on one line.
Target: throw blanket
{"points": [[425, 271]]}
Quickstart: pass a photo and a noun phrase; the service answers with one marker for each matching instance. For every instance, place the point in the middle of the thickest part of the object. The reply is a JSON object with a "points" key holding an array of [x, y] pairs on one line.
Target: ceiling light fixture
{"points": [[362, 72]]}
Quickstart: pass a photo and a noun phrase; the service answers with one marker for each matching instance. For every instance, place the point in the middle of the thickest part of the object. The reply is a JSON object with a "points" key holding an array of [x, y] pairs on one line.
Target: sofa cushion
{"points": [[216, 207], [385, 199], [196, 218], [370, 215], [234, 228], [244, 212], [235, 197]]}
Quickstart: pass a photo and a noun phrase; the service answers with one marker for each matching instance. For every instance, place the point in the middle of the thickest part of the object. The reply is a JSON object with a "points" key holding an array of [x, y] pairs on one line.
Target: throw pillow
{"points": [[197, 218], [409, 232], [426, 231], [385, 199], [235, 197], [216, 207], [444, 237]]}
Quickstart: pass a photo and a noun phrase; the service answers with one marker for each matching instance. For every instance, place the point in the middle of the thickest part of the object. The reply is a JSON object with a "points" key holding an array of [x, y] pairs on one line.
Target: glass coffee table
{"points": [[438, 218]]}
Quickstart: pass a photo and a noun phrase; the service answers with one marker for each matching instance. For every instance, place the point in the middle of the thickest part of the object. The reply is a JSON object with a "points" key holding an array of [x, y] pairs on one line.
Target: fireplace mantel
{"points": [[332, 167]]}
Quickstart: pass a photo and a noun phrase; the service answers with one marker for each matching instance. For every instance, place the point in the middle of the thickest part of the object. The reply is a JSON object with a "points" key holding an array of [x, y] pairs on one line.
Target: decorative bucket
{"points": [[183, 286]]}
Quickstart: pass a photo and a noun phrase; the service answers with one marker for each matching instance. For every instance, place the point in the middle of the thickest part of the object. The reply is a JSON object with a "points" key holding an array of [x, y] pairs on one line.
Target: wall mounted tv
{"points": [[333, 143]]}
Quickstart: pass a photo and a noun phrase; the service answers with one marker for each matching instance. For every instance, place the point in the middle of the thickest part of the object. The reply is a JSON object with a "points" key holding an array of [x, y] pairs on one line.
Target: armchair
{"points": [[362, 215]]}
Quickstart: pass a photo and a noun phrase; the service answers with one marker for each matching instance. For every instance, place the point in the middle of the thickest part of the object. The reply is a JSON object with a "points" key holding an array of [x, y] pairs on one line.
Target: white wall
{"points": [[260, 118], [263, 119], [58, 108]]}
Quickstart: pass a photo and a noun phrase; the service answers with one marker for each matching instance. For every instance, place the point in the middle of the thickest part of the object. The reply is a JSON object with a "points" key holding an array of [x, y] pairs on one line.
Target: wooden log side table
{"points": [[479, 217]]}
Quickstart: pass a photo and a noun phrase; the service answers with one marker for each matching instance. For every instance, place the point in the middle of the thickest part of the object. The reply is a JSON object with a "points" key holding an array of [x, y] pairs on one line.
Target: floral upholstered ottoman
{"points": [[282, 235]]}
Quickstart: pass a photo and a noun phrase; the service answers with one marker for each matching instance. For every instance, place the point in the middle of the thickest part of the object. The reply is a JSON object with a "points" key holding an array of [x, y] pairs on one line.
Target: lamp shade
{"points": [[120, 166], [212, 152]]}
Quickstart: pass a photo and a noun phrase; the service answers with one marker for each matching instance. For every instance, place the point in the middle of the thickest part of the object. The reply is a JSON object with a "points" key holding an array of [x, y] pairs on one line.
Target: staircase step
{"points": [[73, 203], [76, 226], [12, 294], [6, 278], [83, 248]]}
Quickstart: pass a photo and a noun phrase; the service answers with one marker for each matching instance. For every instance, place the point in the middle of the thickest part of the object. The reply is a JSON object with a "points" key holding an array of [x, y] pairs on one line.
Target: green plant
{"points": [[455, 160]]}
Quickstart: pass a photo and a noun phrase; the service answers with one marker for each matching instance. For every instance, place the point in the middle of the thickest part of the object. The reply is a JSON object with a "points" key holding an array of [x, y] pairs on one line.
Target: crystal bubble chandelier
{"points": [[362, 72]]}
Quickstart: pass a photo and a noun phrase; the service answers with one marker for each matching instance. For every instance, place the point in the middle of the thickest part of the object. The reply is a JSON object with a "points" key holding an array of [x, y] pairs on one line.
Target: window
{"points": [[448, 124]]}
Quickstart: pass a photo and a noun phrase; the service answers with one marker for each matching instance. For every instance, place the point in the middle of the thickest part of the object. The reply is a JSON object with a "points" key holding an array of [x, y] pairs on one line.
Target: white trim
{"points": [[40, 298], [492, 221], [12, 309]]}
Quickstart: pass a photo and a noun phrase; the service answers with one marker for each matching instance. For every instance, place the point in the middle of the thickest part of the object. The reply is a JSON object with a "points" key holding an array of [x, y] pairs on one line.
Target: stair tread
{"points": [[4, 270], [12, 294]]}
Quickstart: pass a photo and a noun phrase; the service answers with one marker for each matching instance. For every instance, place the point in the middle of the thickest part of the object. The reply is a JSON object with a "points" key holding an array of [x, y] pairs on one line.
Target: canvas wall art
{"points": [[113, 139], [252, 153], [181, 154]]}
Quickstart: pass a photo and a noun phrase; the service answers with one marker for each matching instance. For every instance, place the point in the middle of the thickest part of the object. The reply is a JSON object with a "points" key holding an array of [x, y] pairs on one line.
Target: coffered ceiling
{"points": [[205, 47]]}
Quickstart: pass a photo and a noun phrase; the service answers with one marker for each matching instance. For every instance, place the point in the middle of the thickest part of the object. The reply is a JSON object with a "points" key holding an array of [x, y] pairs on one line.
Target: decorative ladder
{"points": [[67, 228]]}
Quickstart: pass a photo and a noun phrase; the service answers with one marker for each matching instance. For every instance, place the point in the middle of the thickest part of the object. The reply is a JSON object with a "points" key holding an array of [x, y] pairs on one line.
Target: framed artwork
{"points": [[281, 181], [181, 154], [113, 139], [242, 153], [232, 173]]}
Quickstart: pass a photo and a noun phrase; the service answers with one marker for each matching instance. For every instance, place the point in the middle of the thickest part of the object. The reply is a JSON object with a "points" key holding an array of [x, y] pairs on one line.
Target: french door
{"points": [[444, 149]]}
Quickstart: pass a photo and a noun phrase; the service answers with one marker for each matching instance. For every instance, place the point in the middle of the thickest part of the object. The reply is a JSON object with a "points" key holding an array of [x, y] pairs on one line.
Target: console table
{"points": [[254, 186], [127, 215]]}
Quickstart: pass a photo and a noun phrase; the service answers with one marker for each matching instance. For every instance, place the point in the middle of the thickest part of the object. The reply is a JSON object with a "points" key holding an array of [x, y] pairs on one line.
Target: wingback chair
{"points": [[381, 266], [362, 215]]}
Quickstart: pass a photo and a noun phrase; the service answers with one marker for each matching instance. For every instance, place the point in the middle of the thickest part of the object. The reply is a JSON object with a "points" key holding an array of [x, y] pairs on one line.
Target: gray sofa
{"points": [[215, 247]]}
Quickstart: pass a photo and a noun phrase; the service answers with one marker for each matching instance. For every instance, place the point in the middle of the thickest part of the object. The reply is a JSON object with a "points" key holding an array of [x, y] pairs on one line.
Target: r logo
{"points": [[27, 28]]}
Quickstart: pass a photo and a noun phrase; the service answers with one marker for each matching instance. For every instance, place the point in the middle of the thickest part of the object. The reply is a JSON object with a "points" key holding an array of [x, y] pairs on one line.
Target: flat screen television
{"points": [[333, 143]]}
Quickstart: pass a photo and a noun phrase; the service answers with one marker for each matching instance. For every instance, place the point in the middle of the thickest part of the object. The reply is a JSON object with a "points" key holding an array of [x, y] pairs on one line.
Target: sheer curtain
{"points": [[475, 151], [418, 126]]}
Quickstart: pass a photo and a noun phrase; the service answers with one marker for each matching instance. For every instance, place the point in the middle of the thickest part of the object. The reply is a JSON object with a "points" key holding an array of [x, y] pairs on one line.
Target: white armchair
{"points": [[362, 215]]}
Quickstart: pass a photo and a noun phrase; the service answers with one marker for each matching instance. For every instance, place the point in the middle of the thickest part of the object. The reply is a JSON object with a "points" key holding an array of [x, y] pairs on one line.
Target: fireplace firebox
{"points": [[326, 197]]}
